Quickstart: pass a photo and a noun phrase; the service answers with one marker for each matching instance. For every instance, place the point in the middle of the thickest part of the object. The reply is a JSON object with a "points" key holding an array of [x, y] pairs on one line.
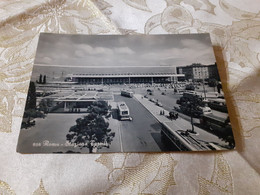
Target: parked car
{"points": [[173, 115], [159, 104], [190, 87], [152, 100]]}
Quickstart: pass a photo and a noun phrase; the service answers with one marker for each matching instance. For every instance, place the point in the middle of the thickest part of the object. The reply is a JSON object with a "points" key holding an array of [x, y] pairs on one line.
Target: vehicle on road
{"points": [[149, 90], [219, 126], [182, 139], [152, 100], [190, 87], [216, 124], [173, 115], [159, 104], [192, 103], [212, 94], [123, 111], [206, 110], [189, 96], [218, 104], [127, 93], [196, 111]]}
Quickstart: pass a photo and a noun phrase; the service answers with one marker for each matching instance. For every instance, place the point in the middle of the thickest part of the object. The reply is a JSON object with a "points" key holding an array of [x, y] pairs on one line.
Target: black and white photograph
{"points": [[124, 93]]}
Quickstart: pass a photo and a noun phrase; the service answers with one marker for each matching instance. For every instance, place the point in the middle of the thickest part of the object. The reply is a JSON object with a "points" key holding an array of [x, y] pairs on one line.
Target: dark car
{"points": [[159, 104], [173, 115], [190, 87]]}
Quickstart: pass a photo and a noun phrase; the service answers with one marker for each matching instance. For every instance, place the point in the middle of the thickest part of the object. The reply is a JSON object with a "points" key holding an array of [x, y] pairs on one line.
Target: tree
{"points": [[99, 107], [44, 105], [40, 79], [193, 106], [44, 79], [90, 130], [31, 97], [32, 113]]}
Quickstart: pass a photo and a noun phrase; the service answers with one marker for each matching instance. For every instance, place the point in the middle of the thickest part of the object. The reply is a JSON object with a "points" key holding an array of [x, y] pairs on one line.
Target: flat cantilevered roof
{"points": [[125, 75], [84, 97], [125, 71]]}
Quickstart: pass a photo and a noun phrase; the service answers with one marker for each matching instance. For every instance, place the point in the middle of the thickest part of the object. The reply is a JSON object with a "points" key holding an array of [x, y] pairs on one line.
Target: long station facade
{"points": [[126, 78]]}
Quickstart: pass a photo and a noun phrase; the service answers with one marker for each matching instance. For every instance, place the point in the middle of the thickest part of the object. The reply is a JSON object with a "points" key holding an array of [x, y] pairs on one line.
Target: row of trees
{"points": [[42, 79], [31, 110]]}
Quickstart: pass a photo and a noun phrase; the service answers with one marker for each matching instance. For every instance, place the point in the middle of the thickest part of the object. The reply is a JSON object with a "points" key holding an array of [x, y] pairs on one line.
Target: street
{"points": [[143, 133]]}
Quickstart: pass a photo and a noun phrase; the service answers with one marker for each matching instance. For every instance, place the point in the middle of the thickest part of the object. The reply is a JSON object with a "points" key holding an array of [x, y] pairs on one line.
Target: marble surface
{"points": [[234, 27]]}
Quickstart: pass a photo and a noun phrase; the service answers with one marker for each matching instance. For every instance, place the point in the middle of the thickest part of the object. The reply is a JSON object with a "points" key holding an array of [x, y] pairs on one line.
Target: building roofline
{"points": [[125, 75], [196, 65]]}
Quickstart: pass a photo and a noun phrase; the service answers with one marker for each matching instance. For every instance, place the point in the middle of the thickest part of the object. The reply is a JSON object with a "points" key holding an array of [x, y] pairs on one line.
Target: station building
{"points": [[128, 76]]}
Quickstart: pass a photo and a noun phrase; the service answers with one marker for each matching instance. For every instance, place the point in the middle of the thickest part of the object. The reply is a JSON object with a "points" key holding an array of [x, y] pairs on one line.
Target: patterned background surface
{"points": [[234, 27]]}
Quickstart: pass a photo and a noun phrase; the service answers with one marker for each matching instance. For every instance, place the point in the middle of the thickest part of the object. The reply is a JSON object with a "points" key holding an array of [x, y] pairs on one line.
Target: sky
{"points": [[118, 50]]}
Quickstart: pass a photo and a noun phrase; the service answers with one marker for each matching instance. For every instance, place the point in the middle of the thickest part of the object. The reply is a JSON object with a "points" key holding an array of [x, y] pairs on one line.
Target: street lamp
{"points": [[191, 106]]}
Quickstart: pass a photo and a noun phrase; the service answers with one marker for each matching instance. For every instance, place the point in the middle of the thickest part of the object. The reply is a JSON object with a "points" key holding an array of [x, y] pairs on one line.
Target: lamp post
{"points": [[191, 105]]}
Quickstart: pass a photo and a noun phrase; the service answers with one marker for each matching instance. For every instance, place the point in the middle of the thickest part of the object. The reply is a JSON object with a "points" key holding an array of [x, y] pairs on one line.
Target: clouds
{"points": [[134, 50], [83, 50], [124, 50], [188, 51]]}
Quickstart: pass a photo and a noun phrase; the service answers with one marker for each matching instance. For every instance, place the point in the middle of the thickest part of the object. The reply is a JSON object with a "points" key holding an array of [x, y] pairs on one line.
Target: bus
{"points": [[218, 104], [217, 125], [183, 140], [123, 111], [127, 93]]}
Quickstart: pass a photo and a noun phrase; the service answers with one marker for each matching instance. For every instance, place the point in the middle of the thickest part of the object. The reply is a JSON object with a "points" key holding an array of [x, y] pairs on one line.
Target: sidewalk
{"points": [[153, 109], [178, 124]]}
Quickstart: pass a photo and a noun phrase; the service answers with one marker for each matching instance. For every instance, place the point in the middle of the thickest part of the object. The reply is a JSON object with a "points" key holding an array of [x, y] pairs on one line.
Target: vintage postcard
{"points": [[114, 93]]}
